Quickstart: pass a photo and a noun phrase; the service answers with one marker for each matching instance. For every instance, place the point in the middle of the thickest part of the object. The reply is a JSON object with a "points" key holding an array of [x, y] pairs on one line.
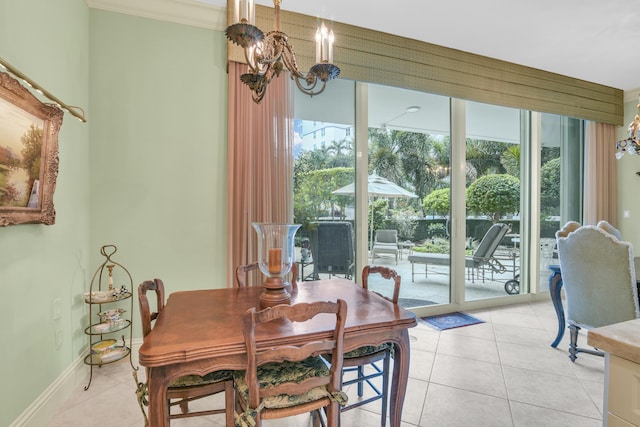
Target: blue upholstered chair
{"points": [[599, 279]]}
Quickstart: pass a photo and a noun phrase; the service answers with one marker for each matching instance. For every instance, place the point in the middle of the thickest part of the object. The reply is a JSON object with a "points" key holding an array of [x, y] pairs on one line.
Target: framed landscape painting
{"points": [[28, 155]]}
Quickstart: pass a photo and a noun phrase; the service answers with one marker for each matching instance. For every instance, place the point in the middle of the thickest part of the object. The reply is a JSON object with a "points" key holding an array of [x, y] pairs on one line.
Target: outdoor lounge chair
{"points": [[332, 249], [385, 242], [482, 257]]}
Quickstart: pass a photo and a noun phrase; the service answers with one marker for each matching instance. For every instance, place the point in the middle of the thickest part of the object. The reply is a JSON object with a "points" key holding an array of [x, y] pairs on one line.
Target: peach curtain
{"points": [[601, 174], [259, 165]]}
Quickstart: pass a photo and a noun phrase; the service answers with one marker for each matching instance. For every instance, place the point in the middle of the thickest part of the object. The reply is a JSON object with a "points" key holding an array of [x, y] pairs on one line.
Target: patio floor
{"points": [[435, 288]]}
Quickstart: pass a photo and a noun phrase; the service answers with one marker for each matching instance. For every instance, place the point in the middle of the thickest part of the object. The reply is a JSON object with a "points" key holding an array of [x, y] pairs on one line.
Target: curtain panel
{"points": [[259, 165], [601, 174]]}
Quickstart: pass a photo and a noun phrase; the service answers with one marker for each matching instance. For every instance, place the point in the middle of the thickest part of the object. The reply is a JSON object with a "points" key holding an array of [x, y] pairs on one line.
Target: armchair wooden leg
{"points": [[573, 345]]}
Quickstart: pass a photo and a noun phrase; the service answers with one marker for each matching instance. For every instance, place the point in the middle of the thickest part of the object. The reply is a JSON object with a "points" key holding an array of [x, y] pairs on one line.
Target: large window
{"points": [[326, 240], [561, 184], [442, 197], [493, 181]]}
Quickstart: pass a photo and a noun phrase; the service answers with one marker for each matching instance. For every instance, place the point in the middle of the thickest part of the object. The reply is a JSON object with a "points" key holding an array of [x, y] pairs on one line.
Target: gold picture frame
{"points": [[28, 155]]}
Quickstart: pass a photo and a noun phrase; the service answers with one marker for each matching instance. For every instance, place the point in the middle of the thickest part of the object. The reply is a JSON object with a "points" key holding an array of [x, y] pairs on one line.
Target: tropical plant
{"points": [[550, 187], [484, 156], [434, 246], [494, 196], [314, 195], [437, 229], [510, 159], [438, 202], [378, 209], [405, 221]]}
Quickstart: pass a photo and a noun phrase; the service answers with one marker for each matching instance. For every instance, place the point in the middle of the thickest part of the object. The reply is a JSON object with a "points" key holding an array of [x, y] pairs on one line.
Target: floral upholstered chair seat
{"points": [[272, 374]]}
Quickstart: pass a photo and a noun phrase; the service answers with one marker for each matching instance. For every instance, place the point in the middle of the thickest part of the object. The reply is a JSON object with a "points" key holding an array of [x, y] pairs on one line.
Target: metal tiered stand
{"points": [[106, 303]]}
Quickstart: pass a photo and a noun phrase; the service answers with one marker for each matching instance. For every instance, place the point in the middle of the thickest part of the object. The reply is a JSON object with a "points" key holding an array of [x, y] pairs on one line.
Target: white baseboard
{"points": [[45, 407], [40, 412]]}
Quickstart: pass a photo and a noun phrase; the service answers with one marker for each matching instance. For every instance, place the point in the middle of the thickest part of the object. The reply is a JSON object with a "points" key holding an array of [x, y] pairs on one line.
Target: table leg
{"points": [[400, 378], [158, 408], [555, 286]]}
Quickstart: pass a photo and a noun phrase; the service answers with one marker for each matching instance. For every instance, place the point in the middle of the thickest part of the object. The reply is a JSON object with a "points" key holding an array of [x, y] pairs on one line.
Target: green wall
{"points": [[146, 173], [158, 149], [628, 183], [48, 40]]}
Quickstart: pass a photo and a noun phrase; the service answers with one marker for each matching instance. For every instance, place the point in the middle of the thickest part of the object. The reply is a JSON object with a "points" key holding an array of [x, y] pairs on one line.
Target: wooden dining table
{"points": [[200, 331]]}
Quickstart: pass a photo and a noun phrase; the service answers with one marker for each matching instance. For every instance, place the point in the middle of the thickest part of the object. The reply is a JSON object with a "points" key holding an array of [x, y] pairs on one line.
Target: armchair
{"points": [[599, 280]]}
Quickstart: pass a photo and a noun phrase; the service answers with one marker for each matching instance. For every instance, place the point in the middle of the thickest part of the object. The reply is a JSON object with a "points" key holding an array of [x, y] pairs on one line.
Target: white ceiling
{"points": [[593, 40]]}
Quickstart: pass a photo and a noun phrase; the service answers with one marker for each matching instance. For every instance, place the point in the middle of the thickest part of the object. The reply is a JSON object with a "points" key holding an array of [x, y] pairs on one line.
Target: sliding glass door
{"points": [[493, 178], [468, 195], [409, 146], [324, 162]]}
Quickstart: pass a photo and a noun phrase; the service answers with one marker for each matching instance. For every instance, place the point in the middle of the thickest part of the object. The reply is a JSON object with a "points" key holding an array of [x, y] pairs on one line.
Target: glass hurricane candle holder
{"points": [[275, 257]]}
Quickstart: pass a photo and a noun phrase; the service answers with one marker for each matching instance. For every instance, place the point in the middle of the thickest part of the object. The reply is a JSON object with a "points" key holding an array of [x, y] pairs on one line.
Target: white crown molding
{"points": [[631, 95], [187, 12]]}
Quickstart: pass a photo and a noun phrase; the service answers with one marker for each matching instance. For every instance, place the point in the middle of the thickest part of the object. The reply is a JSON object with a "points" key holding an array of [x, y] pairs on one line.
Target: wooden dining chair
{"points": [[371, 356], [285, 380], [242, 270], [187, 388]]}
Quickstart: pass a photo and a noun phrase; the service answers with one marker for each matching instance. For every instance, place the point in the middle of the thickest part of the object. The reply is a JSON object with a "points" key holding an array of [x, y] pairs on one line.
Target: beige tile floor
{"points": [[499, 373]]}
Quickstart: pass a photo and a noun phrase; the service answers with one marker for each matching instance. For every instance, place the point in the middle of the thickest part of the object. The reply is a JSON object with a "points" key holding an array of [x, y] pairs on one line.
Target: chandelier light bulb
{"points": [[324, 45]]}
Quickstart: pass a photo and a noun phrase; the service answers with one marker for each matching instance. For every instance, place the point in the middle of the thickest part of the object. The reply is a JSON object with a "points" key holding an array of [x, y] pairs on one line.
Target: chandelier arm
{"points": [[251, 61], [257, 95], [288, 55], [309, 83], [309, 90]]}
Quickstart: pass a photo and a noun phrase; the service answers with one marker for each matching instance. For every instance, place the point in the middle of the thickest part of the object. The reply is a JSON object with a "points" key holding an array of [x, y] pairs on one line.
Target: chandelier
{"points": [[631, 145], [267, 55]]}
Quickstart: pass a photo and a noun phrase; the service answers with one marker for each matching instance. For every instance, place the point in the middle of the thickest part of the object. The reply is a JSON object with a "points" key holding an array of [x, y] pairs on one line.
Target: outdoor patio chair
{"points": [[482, 257], [599, 279], [332, 249], [385, 242]]}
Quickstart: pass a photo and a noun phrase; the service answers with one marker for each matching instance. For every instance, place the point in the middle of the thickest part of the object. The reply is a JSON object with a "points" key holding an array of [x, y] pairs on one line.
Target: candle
{"points": [[236, 11], [318, 46], [324, 45], [330, 53], [245, 11], [275, 260]]}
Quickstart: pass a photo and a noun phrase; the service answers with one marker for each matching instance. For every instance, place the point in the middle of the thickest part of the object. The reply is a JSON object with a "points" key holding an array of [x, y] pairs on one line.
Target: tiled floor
{"points": [[499, 373]]}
